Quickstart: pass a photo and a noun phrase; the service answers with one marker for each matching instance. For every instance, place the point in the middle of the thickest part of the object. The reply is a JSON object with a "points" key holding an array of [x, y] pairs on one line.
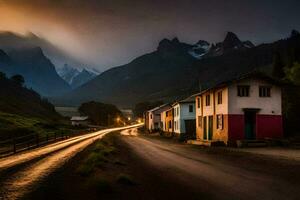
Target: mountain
{"points": [[36, 68], [230, 43], [83, 77], [68, 73], [152, 76], [10, 41], [76, 77], [16, 99], [171, 72]]}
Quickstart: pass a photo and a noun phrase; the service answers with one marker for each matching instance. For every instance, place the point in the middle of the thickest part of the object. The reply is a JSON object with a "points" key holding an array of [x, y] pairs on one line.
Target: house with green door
{"points": [[246, 108]]}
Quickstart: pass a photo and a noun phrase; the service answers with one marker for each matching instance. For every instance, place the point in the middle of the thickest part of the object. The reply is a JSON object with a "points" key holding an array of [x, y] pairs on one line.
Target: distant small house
{"points": [[153, 117], [184, 115], [80, 120], [246, 108]]}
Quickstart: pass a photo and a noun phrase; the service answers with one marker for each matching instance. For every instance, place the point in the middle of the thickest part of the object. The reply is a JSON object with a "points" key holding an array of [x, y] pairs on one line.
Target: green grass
{"points": [[99, 184], [125, 179], [17, 125], [98, 157]]}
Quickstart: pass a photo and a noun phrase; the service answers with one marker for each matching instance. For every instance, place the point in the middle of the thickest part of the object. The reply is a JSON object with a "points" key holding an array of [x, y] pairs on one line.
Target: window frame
{"points": [[207, 100], [200, 121], [243, 90], [220, 97], [264, 91], [220, 122], [191, 108]]}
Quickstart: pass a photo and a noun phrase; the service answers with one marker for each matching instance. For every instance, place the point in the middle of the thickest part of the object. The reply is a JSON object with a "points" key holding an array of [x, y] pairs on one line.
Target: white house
{"points": [[153, 117], [245, 108], [79, 120], [184, 116]]}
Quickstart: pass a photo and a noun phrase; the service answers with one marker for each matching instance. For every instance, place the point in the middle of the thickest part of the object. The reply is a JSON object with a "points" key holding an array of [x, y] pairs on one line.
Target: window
{"points": [[207, 100], [191, 108], [219, 121], [175, 125], [167, 114], [264, 91], [199, 121], [220, 97], [170, 124], [198, 102], [177, 111], [151, 116], [243, 90]]}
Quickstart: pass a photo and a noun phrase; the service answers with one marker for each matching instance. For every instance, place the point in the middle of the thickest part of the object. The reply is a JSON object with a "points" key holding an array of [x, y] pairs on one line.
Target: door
{"points": [[250, 124], [210, 127], [204, 128], [190, 128]]}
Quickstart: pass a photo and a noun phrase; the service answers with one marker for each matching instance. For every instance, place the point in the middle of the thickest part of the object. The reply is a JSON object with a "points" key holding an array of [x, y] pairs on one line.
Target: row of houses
{"points": [[245, 108]]}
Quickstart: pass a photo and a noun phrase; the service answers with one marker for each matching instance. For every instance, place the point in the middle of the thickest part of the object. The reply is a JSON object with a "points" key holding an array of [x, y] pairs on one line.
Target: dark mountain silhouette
{"points": [[172, 72], [16, 99], [230, 43], [37, 69], [10, 41]]}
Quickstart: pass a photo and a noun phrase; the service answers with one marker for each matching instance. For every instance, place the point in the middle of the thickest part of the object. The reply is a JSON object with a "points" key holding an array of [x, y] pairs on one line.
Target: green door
{"points": [[210, 127], [250, 118], [204, 128]]}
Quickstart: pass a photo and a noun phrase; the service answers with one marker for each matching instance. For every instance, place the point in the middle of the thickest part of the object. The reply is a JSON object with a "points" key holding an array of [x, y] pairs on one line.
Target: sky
{"points": [[108, 33]]}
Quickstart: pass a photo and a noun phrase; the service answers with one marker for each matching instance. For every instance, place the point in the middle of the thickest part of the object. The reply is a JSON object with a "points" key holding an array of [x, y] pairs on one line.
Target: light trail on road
{"points": [[55, 156]]}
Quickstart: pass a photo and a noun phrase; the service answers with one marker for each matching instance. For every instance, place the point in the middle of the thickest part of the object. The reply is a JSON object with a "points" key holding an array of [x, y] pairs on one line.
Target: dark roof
{"points": [[257, 75], [190, 99]]}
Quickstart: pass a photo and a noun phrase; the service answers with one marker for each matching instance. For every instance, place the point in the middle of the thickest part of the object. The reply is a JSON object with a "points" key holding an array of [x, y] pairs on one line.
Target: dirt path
{"points": [[228, 177], [19, 173], [156, 168]]}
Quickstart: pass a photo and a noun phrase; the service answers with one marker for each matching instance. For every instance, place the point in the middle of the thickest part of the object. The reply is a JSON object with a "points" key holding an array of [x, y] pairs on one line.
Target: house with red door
{"points": [[245, 108]]}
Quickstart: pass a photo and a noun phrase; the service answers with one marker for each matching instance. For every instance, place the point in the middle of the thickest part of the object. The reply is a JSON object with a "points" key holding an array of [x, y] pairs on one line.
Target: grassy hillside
{"points": [[12, 125], [24, 112]]}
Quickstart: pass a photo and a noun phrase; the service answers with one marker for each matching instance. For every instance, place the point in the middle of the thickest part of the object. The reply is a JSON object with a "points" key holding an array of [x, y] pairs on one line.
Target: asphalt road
{"points": [[19, 173], [220, 174]]}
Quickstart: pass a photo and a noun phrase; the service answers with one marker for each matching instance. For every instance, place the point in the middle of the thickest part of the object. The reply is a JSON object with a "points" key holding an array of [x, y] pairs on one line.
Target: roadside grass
{"points": [[99, 184], [99, 155], [125, 179]]}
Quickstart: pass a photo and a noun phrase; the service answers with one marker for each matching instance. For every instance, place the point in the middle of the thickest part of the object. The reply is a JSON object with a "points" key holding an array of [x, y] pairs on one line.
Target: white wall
{"points": [[267, 105], [183, 114]]}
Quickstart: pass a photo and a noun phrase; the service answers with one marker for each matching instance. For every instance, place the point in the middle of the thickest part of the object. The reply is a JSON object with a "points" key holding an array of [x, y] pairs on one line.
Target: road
{"points": [[220, 174], [20, 172]]}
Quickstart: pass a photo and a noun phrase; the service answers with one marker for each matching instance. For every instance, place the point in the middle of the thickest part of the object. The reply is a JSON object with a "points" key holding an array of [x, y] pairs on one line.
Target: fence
{"points": [[17, 144]]}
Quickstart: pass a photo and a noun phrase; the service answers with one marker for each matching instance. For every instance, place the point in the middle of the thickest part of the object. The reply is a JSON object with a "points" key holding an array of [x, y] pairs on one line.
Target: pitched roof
{"points": [[79, 118], [190, 99], [257, 75], [158, 107]]}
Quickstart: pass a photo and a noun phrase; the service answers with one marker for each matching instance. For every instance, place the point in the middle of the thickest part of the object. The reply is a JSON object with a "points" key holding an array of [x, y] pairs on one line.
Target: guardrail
{"points": [[17, 144]]}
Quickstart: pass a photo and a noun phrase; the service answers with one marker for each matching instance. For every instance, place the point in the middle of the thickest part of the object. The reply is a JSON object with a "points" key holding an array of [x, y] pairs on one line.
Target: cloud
{"points": [[107, 33]]}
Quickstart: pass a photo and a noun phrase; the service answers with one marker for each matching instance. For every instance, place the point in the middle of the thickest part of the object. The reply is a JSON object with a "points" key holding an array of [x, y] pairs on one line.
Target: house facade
{"points": [[79, 120], [245, 109], [184, 113], [153, 117], [167, 122]]}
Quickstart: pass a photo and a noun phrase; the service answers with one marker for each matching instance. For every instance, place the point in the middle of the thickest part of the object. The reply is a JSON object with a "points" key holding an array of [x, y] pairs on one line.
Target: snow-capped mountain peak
{"points": [[76, 77]]}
